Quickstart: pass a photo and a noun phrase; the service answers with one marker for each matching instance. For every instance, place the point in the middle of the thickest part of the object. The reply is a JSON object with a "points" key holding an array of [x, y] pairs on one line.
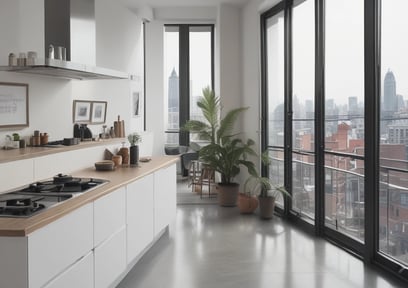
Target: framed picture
{"points": [[98, 112], [13, 105], [81, 111]]}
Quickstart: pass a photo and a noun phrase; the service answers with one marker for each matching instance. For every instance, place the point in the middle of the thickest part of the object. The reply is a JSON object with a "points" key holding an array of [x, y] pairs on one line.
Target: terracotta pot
{"points": [[247, 203], [228, 194], [266, 207]]}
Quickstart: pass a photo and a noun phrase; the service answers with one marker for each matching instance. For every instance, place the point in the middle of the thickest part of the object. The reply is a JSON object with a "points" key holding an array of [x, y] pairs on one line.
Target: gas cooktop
{"points": [[36, 197]]}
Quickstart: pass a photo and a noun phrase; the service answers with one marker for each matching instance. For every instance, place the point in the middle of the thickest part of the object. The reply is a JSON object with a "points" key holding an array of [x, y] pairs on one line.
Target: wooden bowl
{"points": [[106, 165]]}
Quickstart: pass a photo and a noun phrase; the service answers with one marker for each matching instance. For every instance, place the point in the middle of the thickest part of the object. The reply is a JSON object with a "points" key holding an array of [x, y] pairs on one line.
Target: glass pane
{"points": [[277, 170], [303, 108], [344, 195], [275, 81], [200, 67], [393, 213], [303, 185], [344, 116], [171, 83]]}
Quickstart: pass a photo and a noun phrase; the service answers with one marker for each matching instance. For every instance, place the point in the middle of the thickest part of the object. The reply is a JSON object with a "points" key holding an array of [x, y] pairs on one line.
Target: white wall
{"points": [[118, 38], [154, 84], [229, 56]]}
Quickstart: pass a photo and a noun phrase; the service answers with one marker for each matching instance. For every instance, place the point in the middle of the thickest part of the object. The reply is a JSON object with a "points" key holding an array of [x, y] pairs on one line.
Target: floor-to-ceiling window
{"points": [[188, 68], [275, 97], [303, 123], [346, 111], [393, 152], [344, 117]]}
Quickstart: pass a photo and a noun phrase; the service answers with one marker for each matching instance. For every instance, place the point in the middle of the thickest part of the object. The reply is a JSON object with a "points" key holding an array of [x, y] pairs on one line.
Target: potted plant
{"points": [[225, 153], [247, 200], [134, 139], [268, 191]]}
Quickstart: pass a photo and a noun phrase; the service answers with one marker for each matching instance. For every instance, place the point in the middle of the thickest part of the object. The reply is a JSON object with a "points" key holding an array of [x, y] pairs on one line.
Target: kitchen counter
{"points": [[119, 177], [8, 155]]}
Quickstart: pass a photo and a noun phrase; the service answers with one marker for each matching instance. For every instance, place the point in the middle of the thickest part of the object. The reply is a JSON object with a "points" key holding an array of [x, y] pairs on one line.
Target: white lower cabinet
{"points": [[165, 198], [97, 243], [59, 245], [109, 215], [81, 274], [110, 259], [139, 216], [110, 237]]}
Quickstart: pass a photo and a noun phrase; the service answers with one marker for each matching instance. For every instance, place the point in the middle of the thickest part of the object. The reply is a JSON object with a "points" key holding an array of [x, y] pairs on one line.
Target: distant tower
{"points": [[352, 105], [173, 91], [390, 93]]}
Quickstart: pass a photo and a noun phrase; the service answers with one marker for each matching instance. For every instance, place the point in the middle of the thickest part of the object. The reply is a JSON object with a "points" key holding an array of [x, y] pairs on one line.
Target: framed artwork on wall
{"points": [[81, 111], [13, 105], [98, 112]]}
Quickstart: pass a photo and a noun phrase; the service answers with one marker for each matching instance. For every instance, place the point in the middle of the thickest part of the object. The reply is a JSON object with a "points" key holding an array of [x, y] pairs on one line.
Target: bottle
{"points": [[12, 60]]}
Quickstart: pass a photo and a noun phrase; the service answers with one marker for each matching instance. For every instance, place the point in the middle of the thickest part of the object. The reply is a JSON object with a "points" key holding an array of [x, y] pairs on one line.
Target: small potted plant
{"points": [[247, 200], [268, 191], [134, 139]]}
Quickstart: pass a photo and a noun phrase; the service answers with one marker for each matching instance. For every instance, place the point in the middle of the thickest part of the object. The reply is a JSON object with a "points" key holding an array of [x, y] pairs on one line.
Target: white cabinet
{"points": [[165, 188], [110, 237], [58, 245], [109, 214], [110, 259], [139, 215], [78, 275]]}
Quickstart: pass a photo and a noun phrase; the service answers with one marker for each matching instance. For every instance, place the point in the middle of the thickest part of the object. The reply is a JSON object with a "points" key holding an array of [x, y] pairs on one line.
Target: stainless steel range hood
{"points": [[67, 70], [69, 24]]}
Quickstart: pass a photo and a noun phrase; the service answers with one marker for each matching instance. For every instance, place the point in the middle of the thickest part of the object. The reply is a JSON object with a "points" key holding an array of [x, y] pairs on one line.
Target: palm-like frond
{"points": [[225, 153], [227, 123]]}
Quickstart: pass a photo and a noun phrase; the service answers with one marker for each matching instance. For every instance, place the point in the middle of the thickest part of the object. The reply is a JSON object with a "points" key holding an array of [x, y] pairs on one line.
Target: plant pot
{"points": [[134, 155], [247, 203], [266, 207], [228, 194]]}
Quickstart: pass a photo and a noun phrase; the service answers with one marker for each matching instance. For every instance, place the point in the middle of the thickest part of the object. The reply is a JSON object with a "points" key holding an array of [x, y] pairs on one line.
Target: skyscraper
{"points": [[390, 104], [173, 91]]}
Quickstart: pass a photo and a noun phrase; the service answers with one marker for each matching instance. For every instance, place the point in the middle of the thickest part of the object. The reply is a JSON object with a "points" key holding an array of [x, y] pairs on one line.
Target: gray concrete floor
{"points": [[215, 247]]}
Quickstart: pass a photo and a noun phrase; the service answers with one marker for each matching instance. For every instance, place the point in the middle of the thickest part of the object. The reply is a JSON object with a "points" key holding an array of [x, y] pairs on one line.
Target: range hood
{"points": [[67, 70], [69, 24]]}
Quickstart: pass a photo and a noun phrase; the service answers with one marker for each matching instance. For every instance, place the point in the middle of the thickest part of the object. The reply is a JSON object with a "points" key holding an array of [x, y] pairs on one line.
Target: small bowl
{"points": [[106, 165]]}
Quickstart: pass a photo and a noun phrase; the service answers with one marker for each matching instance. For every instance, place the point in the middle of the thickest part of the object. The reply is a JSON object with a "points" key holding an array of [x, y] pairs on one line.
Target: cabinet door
{"points": [[139, 209], [78, 275], [110, 259], [109, 215], [165, 189], [55, 247]]}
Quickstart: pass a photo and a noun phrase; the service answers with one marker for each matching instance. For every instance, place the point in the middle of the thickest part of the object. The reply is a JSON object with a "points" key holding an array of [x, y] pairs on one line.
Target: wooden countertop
{"points": [[119, 177], [32, 152]]}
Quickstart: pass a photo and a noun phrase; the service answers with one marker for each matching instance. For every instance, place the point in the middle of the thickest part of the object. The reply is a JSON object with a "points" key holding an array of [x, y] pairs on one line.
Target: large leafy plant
{"points": [[226, 152]]}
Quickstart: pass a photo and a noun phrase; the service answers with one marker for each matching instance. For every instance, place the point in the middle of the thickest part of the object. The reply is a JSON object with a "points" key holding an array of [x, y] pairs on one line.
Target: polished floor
{"points": [[215, 247]]}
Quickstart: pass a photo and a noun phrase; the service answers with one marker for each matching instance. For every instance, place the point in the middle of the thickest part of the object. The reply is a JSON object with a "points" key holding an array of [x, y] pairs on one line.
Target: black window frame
{"points": [[184, 76], [369, 250]]}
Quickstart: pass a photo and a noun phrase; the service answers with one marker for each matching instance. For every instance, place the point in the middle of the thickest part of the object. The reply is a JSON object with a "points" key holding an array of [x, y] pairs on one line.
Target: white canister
{"points": [[31, 57]]}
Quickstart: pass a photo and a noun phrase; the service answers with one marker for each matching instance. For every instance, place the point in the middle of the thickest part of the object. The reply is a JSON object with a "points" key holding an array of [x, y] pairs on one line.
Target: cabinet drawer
{"points": [[139, 201], [110, 259], [58, 245], [109, 215], [81, 274]]}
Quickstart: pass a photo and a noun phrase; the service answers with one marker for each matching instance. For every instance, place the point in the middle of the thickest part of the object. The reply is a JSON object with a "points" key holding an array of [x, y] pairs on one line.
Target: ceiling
{"points": [[180, 3]]}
